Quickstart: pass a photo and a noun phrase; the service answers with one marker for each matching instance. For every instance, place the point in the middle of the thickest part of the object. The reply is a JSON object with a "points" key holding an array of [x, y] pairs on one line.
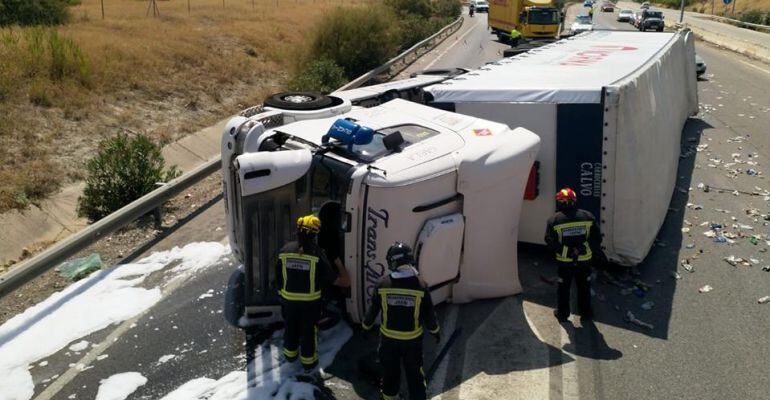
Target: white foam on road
{"points": [[166, 358], [79, 346], [106, 297], [267, 377], [120, 386]]}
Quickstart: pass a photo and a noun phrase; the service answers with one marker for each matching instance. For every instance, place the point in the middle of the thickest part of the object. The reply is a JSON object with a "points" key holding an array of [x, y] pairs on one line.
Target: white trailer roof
{"points": [[568, 71]]}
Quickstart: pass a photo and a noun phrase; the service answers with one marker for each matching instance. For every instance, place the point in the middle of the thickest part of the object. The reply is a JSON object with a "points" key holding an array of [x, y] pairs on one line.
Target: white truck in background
{"points": [[461, 165]]}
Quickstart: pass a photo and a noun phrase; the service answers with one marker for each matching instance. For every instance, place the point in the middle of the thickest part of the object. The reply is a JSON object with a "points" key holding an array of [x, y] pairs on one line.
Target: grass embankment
{"points": [[63, 89]]}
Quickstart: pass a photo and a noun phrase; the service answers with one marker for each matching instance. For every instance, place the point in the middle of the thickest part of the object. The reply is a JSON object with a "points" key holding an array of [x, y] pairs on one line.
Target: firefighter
{"points": [[407, 310], [302, 271], [591, 13], [515, 37], [573, 235]]}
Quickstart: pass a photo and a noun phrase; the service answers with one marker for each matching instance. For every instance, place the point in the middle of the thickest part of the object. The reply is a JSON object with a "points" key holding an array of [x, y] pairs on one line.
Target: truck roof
{"points": [[568, 71], [442, 133]]}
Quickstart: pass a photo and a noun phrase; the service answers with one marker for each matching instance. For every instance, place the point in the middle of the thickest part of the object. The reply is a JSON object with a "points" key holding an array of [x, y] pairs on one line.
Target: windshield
{"points": [[272, 215], [653, 14], [543, 16], [583, 19], [626, 12]]}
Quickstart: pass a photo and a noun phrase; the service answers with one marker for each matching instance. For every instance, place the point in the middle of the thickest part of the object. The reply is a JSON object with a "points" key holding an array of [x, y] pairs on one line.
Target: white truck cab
{"points": [[449, 185]]}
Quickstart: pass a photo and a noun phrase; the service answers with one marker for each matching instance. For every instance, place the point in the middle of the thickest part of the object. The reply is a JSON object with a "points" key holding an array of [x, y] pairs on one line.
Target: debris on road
{"points": [[648, 305], [764, 300], [766, 268], [705, 289], [631, 318], [80, 268]]}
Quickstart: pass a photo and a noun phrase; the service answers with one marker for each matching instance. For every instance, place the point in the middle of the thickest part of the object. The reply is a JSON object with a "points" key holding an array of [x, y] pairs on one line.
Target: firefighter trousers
{"points": [[300, 335], [580, 274], [394, 354]]}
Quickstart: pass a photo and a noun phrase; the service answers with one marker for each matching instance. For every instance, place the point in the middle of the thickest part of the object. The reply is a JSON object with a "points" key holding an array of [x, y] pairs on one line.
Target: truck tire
{"points": [[502, 38], [235, 297], [299, 101], [659, 30]]}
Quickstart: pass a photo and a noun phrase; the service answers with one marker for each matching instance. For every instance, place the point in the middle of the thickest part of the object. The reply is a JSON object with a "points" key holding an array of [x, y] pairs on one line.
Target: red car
{"points": [[608, 7]]}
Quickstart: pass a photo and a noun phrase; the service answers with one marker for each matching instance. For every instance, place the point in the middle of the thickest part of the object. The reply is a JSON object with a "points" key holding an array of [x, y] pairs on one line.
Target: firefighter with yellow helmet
{"points": [[302, 272], [573, 235]]}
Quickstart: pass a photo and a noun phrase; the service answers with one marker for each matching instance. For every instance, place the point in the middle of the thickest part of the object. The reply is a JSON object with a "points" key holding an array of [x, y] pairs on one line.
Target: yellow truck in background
{"points": [[534, 19]]}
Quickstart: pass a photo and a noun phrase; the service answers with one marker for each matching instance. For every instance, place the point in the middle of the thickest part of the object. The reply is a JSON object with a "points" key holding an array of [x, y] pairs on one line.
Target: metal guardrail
{"points": [[398, 63], [58, 253], [757, 27]]}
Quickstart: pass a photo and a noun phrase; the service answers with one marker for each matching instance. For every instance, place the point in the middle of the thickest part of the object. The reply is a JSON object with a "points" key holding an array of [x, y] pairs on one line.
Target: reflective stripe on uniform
{"points": [[395, 334], [389, 397], [313, 294], [564, 255], [290, 353]]}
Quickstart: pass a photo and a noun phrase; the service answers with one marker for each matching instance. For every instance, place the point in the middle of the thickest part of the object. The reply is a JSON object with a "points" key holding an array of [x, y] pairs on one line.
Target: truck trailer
{"points": [[601, 112]]}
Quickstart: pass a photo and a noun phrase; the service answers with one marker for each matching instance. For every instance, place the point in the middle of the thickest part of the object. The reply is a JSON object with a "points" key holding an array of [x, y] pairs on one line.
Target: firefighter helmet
{"points": [[309, 224], [398, 255], [566, 196]]}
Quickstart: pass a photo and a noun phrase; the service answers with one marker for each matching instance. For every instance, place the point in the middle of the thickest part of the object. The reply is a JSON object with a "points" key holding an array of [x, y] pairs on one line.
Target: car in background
{"points": [[582, 24], [700, 65], [588, 3], [480, 5], [625, 15], [607, 7], [645, 6], [651, 20]]}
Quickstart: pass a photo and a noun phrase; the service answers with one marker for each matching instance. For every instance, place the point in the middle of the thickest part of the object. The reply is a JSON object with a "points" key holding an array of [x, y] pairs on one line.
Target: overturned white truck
{"points": [[421, 161]]}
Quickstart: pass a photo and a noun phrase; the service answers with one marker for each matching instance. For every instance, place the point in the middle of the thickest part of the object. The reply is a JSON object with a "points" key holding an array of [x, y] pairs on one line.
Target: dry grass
{"points": [[165, 76]]}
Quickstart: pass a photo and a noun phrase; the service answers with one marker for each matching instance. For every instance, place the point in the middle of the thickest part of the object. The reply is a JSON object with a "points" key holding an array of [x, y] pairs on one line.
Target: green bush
{"points": [[752, 17], [356, 39], [450, 9], [421, 8], [33, 12], [123, 170], [318, 75]]}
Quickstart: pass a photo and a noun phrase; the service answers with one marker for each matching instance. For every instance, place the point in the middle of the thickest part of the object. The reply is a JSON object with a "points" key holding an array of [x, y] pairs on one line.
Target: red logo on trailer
{"points": [[595, 54], [482, 132]]}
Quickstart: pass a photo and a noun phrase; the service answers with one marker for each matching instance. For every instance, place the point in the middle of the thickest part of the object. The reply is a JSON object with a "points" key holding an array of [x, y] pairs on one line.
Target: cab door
{"points": [[437, 252]]}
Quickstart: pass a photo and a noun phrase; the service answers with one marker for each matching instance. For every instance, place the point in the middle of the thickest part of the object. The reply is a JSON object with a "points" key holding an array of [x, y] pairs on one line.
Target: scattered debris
{"points": [[630, 317], [79, 268], [648, 305], [766, 268], [705, 289], [676, 275], [763, 300]]}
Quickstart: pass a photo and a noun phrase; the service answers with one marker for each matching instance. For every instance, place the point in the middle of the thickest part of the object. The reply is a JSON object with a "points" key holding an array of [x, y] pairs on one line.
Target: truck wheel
{"points": [[660, 29], [299, 101], [502, 38], [235, 297]]}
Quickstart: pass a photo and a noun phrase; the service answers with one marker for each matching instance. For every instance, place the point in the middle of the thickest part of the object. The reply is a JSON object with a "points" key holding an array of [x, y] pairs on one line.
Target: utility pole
{"points": [[102, 9], [681, 11], [712, 6], [734, 1], [188, 7]]}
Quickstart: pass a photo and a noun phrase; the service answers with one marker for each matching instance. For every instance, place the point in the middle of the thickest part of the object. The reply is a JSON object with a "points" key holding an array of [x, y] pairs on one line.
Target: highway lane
{"points": [[703, 346]]}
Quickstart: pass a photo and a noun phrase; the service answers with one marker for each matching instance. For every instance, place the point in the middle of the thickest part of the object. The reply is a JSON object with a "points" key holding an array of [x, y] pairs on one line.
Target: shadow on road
{"points": [[619, 290]]}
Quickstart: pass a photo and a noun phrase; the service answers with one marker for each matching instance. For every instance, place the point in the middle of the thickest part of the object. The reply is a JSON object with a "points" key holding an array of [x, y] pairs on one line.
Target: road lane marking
{"points": [[443, 53], [754, 66]]}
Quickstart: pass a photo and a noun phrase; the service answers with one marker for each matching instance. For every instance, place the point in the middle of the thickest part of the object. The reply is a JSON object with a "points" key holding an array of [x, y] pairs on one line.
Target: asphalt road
{"points": [[703, 345]]}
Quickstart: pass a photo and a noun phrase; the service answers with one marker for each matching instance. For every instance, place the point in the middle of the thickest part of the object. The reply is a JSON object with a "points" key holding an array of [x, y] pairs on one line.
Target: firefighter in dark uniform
{"points": [[573, 235], [302, 272], [407, 310]]}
